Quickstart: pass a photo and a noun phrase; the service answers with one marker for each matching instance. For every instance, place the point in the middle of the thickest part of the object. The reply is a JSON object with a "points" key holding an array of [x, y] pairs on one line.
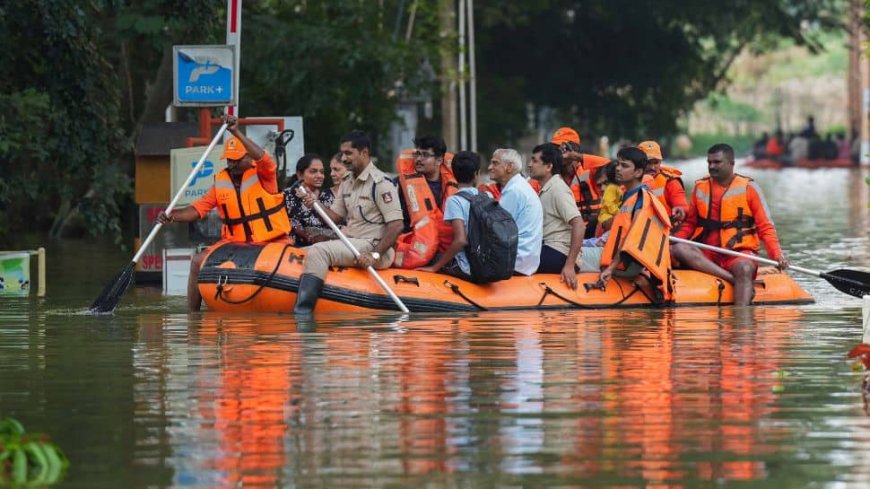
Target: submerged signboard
{"points": [[203, 76], [183, 160]]}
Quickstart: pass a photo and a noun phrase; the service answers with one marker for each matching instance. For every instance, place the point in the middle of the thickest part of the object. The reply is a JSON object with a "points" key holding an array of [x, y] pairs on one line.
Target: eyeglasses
{"points": [[423, 154]]}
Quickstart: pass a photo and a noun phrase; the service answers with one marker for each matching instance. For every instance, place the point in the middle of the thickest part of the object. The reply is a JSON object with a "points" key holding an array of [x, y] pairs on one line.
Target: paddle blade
{"points": [[108, 299], [852, 282]]}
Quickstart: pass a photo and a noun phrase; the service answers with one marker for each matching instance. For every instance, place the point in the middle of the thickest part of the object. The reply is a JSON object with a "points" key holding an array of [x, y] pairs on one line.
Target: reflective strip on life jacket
{"points": [[250, 214], [736, 225], [588, 199]]}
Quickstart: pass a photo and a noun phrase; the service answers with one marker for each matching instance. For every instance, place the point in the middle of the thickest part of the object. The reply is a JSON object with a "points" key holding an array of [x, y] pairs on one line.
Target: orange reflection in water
{"points": [[250, 402], [665, 396]]}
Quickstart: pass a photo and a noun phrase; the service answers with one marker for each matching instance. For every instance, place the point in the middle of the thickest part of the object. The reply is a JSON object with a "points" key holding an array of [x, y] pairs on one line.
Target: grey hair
{"points": [[510, 156]]}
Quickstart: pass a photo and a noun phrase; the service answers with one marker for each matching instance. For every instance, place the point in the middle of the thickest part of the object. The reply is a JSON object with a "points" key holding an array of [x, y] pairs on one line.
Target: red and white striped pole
{"points": [[234, 38]]}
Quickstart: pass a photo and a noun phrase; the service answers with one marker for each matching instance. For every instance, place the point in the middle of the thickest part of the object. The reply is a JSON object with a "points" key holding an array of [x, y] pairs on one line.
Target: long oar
{"points": [[356, 253], [852, 282], [108, 299]]}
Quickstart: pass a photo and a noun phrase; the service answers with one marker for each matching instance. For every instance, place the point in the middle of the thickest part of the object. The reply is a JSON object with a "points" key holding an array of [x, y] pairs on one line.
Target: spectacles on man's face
{"points": [[423, 154]]}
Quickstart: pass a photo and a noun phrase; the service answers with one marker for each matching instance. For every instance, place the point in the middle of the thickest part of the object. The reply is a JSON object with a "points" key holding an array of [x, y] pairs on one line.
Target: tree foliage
{"points": [[83, 76], [70, 109], [624, 67], [342, 64]]}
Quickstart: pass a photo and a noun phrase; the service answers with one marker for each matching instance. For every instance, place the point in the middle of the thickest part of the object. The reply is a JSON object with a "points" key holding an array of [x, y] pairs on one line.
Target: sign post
{"points": [[234, 39], [204, 76]]}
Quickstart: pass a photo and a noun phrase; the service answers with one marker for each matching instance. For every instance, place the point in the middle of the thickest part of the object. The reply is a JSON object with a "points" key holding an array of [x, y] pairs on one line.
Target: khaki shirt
{"points": [[366, 218], [557, 200]]}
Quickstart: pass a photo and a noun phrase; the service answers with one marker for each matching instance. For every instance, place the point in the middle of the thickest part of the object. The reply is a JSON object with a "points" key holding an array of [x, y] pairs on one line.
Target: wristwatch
{"points": [[375, 255]]}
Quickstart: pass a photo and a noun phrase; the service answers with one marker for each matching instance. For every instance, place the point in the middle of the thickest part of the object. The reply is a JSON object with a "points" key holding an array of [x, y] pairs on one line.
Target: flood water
{"points": [[688, 397]]}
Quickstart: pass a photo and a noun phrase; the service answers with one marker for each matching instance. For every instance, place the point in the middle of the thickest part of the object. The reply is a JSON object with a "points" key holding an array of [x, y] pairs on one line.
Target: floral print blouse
{"points": [[307, 219]]}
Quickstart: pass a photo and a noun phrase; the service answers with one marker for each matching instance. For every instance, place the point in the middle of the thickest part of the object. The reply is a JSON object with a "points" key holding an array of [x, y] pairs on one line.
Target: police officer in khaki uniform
{"points": [[368, 203]]}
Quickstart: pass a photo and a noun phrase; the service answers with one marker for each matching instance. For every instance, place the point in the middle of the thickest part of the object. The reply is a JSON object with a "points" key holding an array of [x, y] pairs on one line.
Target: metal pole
{"points": [[40, 264], [473, 75], [234, 38], [463, 129]]}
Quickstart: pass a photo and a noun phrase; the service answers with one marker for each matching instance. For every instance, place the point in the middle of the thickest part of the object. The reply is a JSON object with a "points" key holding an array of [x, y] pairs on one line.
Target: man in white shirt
{"points": [[521, 201]]}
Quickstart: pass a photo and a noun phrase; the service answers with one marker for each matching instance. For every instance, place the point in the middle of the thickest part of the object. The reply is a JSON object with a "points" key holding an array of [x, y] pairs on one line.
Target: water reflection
{"points": [[664, 397]]}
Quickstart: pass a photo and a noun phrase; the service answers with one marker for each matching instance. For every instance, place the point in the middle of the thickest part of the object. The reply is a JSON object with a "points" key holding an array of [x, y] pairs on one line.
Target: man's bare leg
{"points": [[744, 274]]}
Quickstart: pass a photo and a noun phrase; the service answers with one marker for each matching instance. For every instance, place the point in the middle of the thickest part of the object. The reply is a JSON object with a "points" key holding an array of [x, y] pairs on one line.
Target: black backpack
{"points": [[492, 239]]}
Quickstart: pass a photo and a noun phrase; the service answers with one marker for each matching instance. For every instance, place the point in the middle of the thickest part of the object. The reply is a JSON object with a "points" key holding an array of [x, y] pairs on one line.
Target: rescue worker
{"points": [[368, 204], [425, 184], [639, 236], [247, 198], [578, 172], [665, 183], [728, 210]]}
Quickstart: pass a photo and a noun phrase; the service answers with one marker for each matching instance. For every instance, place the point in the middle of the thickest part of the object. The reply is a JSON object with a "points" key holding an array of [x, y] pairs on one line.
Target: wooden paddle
{"points": [[852, 282], [108, 299], [323, 215]]}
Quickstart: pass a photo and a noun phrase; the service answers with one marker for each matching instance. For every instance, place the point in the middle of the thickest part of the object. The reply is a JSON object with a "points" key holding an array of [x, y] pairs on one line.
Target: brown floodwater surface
{"points": [[670, 398]]}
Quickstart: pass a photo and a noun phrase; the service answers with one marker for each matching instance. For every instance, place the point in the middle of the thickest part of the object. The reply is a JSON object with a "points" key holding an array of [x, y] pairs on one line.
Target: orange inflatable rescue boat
{"points": [[265, 277]]}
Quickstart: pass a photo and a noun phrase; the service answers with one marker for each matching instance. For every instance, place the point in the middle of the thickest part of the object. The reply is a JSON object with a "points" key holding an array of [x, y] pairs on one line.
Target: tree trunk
{"points": [[158, 94], [449, 116]]}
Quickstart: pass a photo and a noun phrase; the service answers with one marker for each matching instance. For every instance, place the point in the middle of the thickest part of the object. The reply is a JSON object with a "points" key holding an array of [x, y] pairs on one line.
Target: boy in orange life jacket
{"points": [[639, 235], [728, 210], [247, 199]]}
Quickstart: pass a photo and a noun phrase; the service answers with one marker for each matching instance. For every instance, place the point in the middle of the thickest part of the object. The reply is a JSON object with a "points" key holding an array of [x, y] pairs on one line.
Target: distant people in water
{"points": [[807, 144]]}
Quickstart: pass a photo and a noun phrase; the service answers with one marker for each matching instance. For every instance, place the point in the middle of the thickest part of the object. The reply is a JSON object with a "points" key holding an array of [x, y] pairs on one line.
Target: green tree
{"points": [[624, 67], [83, 82], [342, 64]]}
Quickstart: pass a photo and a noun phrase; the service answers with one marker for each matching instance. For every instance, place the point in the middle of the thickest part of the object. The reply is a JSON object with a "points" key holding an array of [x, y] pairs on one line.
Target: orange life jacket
{"points": [[249, 214], [735, 225], [492, 188], [429, 232], [657, 184], [588, 198], [642, 235]]}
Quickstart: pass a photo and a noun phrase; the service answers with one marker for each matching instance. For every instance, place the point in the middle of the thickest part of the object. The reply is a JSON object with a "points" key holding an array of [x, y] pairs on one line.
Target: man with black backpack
{"points": [[484, 246]]}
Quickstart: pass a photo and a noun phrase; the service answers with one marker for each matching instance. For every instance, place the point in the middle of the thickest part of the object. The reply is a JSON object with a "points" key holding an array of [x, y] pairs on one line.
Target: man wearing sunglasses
{"points": [[424, 189]]}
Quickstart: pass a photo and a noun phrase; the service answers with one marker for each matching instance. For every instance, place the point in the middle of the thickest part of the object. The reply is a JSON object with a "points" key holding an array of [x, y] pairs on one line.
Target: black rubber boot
{"points": [[309, 291]]}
